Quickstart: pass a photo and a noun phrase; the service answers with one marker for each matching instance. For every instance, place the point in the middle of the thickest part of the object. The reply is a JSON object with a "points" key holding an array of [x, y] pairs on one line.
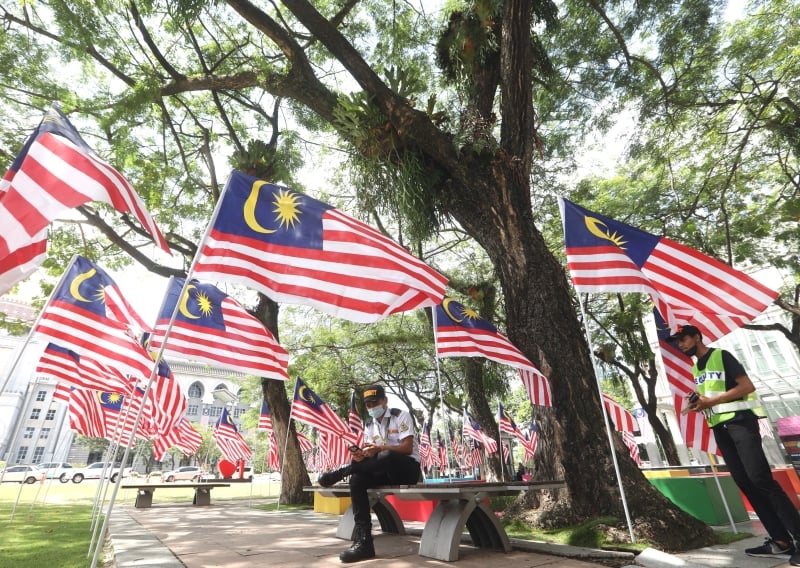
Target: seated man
{"points": [[390, 456]]}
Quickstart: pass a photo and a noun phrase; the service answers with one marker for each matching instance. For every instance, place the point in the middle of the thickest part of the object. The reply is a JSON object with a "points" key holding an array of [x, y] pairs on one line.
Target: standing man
{"points": [[390, 456], [727, 398]]}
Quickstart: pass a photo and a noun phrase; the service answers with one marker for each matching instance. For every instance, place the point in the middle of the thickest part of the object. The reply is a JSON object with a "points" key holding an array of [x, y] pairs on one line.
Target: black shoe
{"points": [[795, 559], [334, 476], [770, 548], [362, 548]]}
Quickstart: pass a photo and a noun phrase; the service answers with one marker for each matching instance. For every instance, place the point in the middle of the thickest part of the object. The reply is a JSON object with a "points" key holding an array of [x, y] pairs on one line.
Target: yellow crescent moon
{"points": [[594, 227], [301, 393], [74, 287], [183, 307], [446, 308], [250, 209]]}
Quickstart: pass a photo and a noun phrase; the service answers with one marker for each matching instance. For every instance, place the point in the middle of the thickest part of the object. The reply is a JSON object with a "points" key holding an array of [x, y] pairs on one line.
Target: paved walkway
{"points": [[233, 535]]}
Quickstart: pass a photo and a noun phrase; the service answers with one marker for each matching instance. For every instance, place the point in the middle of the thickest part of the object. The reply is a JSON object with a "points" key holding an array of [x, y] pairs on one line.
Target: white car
{"points": [[183, 473], [95, 471], [22, 474], [57, 470]]}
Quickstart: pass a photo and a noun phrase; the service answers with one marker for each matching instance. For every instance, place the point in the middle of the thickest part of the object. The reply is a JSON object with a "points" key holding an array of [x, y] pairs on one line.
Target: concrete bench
{"points": [[144, 492], [461, 504]]}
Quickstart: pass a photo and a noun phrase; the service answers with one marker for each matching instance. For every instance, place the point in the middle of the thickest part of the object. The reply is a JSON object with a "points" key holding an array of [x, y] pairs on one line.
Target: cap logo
{"points": [[369, 393]]}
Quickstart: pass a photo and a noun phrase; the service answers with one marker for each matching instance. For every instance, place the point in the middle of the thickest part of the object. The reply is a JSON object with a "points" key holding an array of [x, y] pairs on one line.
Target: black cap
{"points": [[683, 331], [374, 393]]}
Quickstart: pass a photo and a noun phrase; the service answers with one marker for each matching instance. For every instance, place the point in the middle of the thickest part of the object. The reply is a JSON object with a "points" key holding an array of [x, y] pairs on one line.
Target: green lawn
{"points": [[51, 524]]}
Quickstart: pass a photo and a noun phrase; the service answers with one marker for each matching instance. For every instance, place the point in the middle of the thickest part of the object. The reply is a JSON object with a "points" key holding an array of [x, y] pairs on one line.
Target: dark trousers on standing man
{"points": [[740, 444]]}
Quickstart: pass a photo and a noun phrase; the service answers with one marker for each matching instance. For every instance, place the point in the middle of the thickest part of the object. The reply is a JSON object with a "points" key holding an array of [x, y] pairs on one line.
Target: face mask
{"points": [[376, 411]]}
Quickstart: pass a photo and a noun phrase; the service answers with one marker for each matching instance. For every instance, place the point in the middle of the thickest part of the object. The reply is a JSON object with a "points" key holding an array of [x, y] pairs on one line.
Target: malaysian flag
{"points": [[212, 327], [79, 318], [472, 429], [273, 459], [310, 409], [335, 450], [426, 454], [106, 415], [444, 463], [54, 172], [678, 368], [167, 399], [354, 420], [608, 256], [298, 250], [623, 420], [229, 440], [630, 442], [537, 386], [183, 436], [81, 372], [461, 332], [507, 423], [456, 448], [531, 442], [265, 418], [305, 444]]}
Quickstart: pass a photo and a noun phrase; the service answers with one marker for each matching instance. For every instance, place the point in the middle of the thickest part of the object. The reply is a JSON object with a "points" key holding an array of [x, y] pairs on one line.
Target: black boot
{"points": [[334, 476], [362, 548]]}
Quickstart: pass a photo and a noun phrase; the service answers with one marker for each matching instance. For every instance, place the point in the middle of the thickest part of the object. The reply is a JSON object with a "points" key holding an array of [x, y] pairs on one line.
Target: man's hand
{"points": [[370, 450]]}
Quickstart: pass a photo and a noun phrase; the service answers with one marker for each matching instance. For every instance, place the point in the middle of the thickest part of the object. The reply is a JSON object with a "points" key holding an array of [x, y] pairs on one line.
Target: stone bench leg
{"points": [[202, 496], [441, 536], [388, 518], [144, 499]]}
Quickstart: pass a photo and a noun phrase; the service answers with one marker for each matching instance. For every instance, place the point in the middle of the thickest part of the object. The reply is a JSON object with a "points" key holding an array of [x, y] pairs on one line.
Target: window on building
{"points": [[215, 411], [196, 390], [192, 409], [774, 348], [37, 454], [28, 432], [41, 395], [35, 413], [22, 453], [762, 365], [44, 433], [51, 414], [237, 412]]}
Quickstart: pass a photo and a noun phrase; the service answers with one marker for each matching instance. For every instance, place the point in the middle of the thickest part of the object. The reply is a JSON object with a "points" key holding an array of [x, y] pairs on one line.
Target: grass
{"points": [[52, 521], [587, 535], [52, 535]]}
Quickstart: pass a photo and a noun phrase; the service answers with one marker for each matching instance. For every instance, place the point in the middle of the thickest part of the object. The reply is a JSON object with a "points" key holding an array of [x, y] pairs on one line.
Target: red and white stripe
{"points": [[622, 419], [537, 387]]}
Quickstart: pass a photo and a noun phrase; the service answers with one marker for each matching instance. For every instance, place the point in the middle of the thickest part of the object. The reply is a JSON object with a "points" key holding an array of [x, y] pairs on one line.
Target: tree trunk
{"points": [[293, 471]]}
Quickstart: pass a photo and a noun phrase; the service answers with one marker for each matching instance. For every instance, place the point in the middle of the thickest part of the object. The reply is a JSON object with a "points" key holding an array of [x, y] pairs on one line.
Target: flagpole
{"points": [[18, 358], [608, 427], [439, 382], [145, 394], [721, 494]]}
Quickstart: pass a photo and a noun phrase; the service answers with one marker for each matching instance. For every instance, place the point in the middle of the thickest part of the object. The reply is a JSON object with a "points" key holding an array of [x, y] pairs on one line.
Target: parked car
{"points": [[183, 473], [95, 471], [57, 470], [22, 474]]}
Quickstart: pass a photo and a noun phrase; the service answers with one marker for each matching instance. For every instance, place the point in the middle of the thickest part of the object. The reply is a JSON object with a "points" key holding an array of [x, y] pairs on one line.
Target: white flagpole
{"points": [[441, 393], [608, 428], [721, 494]]}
